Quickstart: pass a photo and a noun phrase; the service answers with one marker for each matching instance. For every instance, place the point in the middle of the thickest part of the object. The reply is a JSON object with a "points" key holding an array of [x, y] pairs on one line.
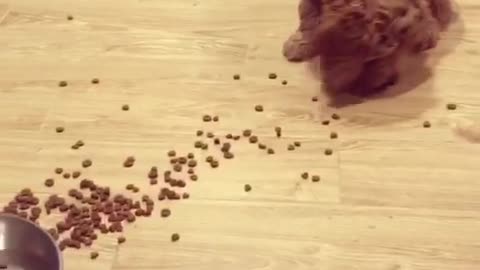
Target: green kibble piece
{"points": [[333, 135], [236, 77], [175, 237], [247, 188], [95, 81], [272, 76], [62, 83], [451, 106], [427, 124], [315, 178], [328, 152]]}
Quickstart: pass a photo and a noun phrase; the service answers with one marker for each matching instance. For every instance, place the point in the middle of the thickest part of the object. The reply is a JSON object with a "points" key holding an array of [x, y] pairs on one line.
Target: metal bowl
{"points": [[25, 246]]}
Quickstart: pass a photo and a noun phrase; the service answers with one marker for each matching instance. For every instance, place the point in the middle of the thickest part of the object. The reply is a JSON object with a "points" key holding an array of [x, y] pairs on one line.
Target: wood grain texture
{"points": [[392, 196]]}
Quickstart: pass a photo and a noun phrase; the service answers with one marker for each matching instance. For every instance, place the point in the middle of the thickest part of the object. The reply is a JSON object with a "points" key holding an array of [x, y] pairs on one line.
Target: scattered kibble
{"points": [[215, 118], [172, 153], [199, 133], [270, 151], [49, 182], [121, 239], [228, 155], [69, 17], [247, 133], [207, 118], [165, 212], [427, 124], [192, 163], [58, 170], [328, 151], [229, 136], [210, 135], [216, 141], [262, 146], [325, 122], [185, 195], [205, 146], [86, 163], [175, 237], [95, 81], [125, 107], [314, 99], [129, 162], [304, 175], [333, 135], [209, 159], [177, 167], [451, 106], [193, 177], [259, 108], [315, 178], [297, 144], [291, 147], [190, 156], [236, 77], [62, 83], [272, 76], [214, 164], [335, 116], [198, 144], [284, 82], [66, 175], [94, 255], [76, 174], [253, 139], [236, 137], [59, 129], [247, 188], [278, 132]]}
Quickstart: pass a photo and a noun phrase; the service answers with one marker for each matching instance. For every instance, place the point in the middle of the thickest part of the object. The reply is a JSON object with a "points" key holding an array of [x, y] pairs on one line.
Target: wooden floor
{"points": [[393, 195]]}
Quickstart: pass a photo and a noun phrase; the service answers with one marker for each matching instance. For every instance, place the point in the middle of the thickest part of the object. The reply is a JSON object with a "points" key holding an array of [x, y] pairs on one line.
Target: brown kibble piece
{"points": [[314, 99], [62, 83], [262, 146], [182, 160], [258, 108], [210, 135], [125, 107], [253, 139], [192, 163], [335, 116], [216, 141], [121, 240], [69, 17], [278, 132], [236, 77], [272, 76], [270, 151], [76, 174], [199, 133], [226, 147], [130, 187], [207, 118], [328, 151], [297, 144], [58, 170], [59, 129], [236, 137], [247, 188], [193, 177], [49, 182], [215, 118], [175, 237], [229, 136], [66, 175], [191, 171], [228, 155], [305, 175], [185, 195], [451, 106], [333, 135], [165, 212], [95, 81], [247, 133], [209, 159], [315, 178], [284, 82], [172, 153], [205, 146], [190, 156], [198, 144], [214, 164], [153, 181], [290, 147], [325, 122], [177, 167], [426, 124], [94, 255], [86, 163]]}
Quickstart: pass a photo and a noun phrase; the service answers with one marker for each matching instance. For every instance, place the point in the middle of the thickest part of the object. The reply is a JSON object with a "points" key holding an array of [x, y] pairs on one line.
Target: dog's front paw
{"points": [[297, 49]]}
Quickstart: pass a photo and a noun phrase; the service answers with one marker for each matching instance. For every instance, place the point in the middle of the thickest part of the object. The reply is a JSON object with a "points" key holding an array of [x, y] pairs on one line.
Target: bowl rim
{"points": [[41, 230]]}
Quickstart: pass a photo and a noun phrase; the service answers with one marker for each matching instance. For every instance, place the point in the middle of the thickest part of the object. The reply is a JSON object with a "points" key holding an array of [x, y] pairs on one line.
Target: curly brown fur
{"points": [[359, 41]]}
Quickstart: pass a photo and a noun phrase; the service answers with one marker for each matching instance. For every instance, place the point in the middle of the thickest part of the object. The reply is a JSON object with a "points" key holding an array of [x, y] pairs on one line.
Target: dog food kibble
{"points": [[262, 146], [228, 155], [171, 153], [69, 17], [121, 239], [94, 255], [270, 151], [66, 175], [199, 133], [314, 99], [129, 187], [236, 137], [175, 237], [284, 82], [229, 136], [335, 116], [247, 133], [215, 118], [86, 163], [210, 135], [198, 144], [304, 175], [297, 144], [315, 178], [49, 182], [426, 124], [129, 162], [165, 212], [76, 174], [325, 122], [58, 170], [192, 163], [226, 147], [205, 146], [95, 81], [290, 147], [190, 156], [207, 118], [125, 107], [193, 177], [272, 76], [209, 159], [185, 195], [236, 77], [451, 106], [247, 188], [177, 167], [259, 108], [253, 139], [214, 164], [62, 83], [328, 152], [333, 135], [278, 132], [59, 129]]}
